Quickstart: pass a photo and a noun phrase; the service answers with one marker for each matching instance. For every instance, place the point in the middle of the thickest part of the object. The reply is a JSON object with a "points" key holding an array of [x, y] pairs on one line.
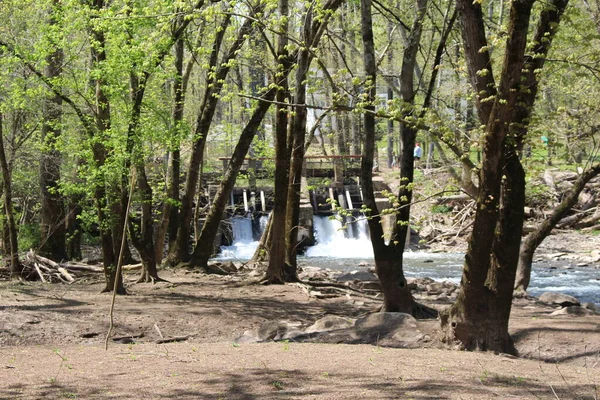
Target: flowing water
{"points": [[347, 249]]}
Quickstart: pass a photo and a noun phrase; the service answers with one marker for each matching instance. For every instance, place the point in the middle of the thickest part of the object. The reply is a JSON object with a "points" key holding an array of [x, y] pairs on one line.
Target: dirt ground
{"points": [[52, 347]]}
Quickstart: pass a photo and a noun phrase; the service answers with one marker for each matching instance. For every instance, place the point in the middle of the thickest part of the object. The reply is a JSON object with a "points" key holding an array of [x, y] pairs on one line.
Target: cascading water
{"points": [[241, 228], [243, 245], [333, 240]]}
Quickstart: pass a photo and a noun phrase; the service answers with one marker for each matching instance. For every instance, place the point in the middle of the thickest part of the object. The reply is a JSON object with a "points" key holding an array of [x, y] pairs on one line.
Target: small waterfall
{"points": [[332, 240], [362, 226], [246, 234], [241, 228]]}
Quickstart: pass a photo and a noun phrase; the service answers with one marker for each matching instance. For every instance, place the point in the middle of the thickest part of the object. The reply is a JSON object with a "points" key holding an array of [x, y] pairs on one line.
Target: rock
{"points": [[229, 266], [559, 299], [442, 297], [362, 264], [246, 339], [330, 323], [271, 330], [220, 268], [595, 255], [582, 264], [357, 275], [589, 306], [572, 310], [434, 289], [388, 328], [313, 273], [293, 334]]}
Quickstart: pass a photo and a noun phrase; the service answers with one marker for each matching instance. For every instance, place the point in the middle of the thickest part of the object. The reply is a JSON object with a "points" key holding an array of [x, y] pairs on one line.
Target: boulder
{"points": [[434, 289], [330, 323], [388, 328], [554, 298], [313, 274], [572, 310], [357, 276]]}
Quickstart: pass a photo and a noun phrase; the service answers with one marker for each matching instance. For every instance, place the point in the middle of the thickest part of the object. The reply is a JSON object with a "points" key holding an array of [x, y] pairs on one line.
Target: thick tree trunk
{"points": [[535, 238], [52, 213], [277, 227], [479, 318], [292, 217], [13, 244]]}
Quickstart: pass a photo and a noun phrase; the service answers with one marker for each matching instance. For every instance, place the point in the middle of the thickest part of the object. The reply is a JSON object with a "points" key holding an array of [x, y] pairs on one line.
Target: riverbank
{"points": [[52, 336]]}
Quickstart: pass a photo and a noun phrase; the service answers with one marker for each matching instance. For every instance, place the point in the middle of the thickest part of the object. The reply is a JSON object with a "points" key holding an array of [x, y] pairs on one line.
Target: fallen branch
{"points": [[172, 340]]}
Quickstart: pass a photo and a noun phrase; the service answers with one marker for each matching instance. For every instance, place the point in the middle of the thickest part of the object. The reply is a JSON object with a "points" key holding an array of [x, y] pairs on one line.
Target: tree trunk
{"points": [[181, 250], [277, 227], [52, 213], [170, 210], [479, 318], [313, 29], [261, 253], [292, 216], [13, 245], [535, 238], [204, 247], [74, 232], [104, 201], [389, 257]]}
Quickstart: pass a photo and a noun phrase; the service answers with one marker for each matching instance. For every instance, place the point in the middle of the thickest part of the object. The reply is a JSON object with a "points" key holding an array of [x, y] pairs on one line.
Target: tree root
{"points": [[421, 311], [151, 279]]}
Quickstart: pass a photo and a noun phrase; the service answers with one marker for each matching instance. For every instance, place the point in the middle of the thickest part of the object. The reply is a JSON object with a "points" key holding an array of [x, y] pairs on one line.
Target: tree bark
{"points": [[277, 227], [313, 30], [479, 318], [104, 201], [52, 213], [13, 245]]}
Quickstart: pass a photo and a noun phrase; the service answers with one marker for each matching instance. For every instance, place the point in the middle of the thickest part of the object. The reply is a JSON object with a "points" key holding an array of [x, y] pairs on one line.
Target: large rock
{"points": [[390, 329], [357, 276], [330, 323], [554, 298]]}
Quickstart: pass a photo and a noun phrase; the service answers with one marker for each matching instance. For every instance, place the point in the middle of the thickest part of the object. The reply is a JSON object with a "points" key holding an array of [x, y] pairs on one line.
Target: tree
{"points": [[15, 264], [479, 317], [389, 256], [53, 217]]}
